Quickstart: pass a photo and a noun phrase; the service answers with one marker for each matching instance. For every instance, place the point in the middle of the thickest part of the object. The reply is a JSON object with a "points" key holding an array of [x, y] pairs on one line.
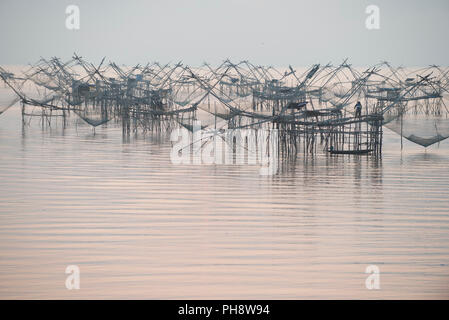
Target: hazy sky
{"points": [[278, 32]]}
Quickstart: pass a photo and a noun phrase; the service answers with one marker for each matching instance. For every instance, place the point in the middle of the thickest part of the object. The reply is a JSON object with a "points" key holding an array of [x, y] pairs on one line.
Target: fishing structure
{"points": [[338, 109]]}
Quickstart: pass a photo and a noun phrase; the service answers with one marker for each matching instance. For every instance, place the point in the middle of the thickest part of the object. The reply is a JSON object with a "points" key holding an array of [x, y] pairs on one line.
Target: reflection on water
{"points": [[140, 227]]}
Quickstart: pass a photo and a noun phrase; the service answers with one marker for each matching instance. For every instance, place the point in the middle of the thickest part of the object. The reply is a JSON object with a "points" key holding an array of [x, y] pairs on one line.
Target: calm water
{"points": [[141, 227]]}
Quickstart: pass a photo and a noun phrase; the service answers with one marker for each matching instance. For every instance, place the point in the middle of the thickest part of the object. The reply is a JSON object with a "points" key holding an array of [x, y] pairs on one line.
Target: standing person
{"points": [[358, 109]]}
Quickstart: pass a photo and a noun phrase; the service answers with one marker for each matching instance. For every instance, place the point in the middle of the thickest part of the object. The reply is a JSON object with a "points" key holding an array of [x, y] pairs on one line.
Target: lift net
{"points": [[7, 99], [422, 129]]}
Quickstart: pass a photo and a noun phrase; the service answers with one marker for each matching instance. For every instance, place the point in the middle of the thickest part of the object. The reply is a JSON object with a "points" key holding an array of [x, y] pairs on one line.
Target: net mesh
{"points": [[422, 127]]}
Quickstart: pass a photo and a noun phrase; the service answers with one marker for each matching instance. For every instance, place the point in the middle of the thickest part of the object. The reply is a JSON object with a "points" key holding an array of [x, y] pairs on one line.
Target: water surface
{"points": [[139, 226]]}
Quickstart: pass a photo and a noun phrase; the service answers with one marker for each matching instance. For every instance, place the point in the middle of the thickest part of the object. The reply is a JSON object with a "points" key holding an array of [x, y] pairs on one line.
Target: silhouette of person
{"points": [[358, 109]]}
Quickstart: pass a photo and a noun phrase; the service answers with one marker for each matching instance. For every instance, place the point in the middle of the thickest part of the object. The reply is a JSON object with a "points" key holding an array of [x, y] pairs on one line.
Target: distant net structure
{"points": [[338, 109], [7, 99], [416, 107]]}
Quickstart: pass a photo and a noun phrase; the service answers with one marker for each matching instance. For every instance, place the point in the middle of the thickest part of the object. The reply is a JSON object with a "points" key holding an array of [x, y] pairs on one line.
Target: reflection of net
{"points": [[424, 130]]}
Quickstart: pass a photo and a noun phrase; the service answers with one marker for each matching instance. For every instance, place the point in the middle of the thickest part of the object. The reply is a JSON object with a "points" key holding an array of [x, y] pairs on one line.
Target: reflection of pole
{"points": [[23, 113], [402, 113]]}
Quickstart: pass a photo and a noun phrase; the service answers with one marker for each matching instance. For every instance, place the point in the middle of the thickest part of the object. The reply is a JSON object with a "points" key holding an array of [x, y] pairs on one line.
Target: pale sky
{"points": [[278, 32]]}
